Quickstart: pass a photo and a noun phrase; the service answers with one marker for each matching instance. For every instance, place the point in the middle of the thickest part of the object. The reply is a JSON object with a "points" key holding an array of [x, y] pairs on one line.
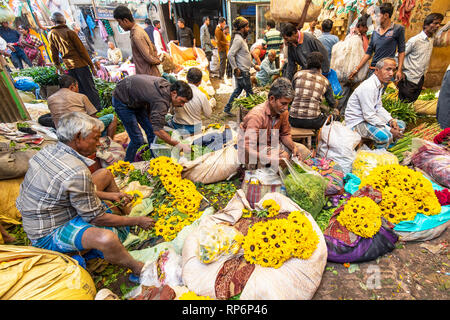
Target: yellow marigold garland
{"points": [[362, 216]]}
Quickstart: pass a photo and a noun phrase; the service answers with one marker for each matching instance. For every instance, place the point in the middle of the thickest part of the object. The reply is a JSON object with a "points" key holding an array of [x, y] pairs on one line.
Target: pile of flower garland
{"points": [[184, 198], [270, 243], [120, 168], [362, 216], [405, 192]]}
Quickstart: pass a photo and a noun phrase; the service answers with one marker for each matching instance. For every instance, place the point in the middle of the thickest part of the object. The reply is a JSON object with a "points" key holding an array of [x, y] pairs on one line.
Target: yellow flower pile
{"points": [[190, 295], [137, 197], [186, 198], [271, 243], [272, 207], [367, 160], [362, 216], [405, 192], [120, 168], [190, 63]]}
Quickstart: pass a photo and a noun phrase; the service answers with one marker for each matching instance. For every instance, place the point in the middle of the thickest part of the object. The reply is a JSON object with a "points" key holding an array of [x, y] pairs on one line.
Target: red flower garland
{"points": [[443, 196]]}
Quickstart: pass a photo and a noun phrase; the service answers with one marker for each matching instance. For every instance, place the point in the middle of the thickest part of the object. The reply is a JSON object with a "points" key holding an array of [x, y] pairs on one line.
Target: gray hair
{"points": [[58, 18], [73, 123], [380, 63], [281, 88]]}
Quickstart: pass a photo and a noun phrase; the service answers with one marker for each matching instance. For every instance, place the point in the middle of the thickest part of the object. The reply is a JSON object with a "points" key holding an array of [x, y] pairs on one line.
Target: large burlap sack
{"points": [[30, 273], [291, 10], [426, 107], [10, 191], [13, 161], [296, 279], [212, 167]]}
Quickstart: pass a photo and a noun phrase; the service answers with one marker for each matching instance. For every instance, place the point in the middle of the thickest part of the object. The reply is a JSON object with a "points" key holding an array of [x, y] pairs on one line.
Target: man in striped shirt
{"points": [[273, 40]]}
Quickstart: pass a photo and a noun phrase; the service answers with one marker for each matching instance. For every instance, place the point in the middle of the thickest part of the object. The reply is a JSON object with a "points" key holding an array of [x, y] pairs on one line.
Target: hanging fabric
{"points": [[108, 27], [103, 32], [91, 24]]}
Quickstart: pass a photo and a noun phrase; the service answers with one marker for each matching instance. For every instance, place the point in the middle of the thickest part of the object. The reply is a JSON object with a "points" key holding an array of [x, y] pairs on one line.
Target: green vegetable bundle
{"points": [[305, 188], [250, 101], [427, 95], [399, 109], [43, 76], [422, 131], [105, 90]]}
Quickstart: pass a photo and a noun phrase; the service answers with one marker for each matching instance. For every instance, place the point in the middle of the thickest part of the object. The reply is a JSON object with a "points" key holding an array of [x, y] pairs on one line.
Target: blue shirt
{"points": [[9, 35], [328, 40], [383, 46], [268, 70]]}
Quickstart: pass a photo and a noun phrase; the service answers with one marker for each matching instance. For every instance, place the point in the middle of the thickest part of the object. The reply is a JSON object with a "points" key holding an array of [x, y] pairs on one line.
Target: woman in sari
{"points": [[31, 44]]}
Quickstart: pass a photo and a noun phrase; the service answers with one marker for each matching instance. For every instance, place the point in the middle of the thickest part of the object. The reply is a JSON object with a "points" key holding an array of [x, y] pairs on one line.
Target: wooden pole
{"points": [[303, 16]]}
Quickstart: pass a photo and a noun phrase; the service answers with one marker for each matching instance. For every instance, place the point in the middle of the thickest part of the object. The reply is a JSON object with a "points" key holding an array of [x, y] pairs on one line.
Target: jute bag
{"points": [[13, 162]]}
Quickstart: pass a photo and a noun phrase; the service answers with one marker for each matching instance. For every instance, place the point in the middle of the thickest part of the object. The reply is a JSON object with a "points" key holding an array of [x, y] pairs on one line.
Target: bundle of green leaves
{"points": [[43, 76]]}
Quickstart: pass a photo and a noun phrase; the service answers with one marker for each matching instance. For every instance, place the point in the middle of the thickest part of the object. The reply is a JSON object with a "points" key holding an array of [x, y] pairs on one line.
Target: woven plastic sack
{"points": [[296, 279], [426, 107], [344, 246], [30, 273], [331, 171], [345, 57], [433, 159], [367, 160], [291, 10]]}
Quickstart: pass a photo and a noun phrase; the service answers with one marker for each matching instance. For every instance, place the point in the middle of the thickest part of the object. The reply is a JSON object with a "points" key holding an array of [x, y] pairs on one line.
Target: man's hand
{"points": [[399, 76], [121, 196], [11, 47], [396, 133], [237, 72], [94, 72], [335, 112], [145, 222], [257, 68], [354, 72], [393, 124], [184, 147]]}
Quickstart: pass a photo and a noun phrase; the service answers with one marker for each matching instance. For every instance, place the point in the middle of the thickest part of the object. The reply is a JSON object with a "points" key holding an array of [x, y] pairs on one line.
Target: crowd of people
{"points": [[73, 217]]}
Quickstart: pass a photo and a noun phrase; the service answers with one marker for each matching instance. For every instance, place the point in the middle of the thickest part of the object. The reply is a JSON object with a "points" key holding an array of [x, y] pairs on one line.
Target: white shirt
{"points": [[417, 57], [191, 112], [158, 42], [364, 105]]}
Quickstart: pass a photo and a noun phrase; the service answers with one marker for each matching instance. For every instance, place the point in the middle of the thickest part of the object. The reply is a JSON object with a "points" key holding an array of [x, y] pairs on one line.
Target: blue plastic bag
{"points": [[333, 78], [25, 84]]}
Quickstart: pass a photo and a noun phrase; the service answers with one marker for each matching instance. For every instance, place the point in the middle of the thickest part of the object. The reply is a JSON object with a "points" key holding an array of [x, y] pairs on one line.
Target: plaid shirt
{"points": [[310, 88], [57, 187]]}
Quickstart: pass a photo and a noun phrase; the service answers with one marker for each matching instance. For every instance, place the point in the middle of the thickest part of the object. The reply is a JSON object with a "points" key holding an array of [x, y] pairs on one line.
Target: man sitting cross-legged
{"points": [[60, 201]]}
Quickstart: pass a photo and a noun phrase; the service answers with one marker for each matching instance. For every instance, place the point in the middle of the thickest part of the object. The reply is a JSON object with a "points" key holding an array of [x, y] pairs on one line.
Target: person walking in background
{"points": [[241, 61], [149, 29], [226, 32], [205, 39], [328, 40], [386, 40], [145, 56], [417, 59], [185, 36], [221, 46], [31, 45], [65, 42], [157, 36], [273, 40], [12, 37]]}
